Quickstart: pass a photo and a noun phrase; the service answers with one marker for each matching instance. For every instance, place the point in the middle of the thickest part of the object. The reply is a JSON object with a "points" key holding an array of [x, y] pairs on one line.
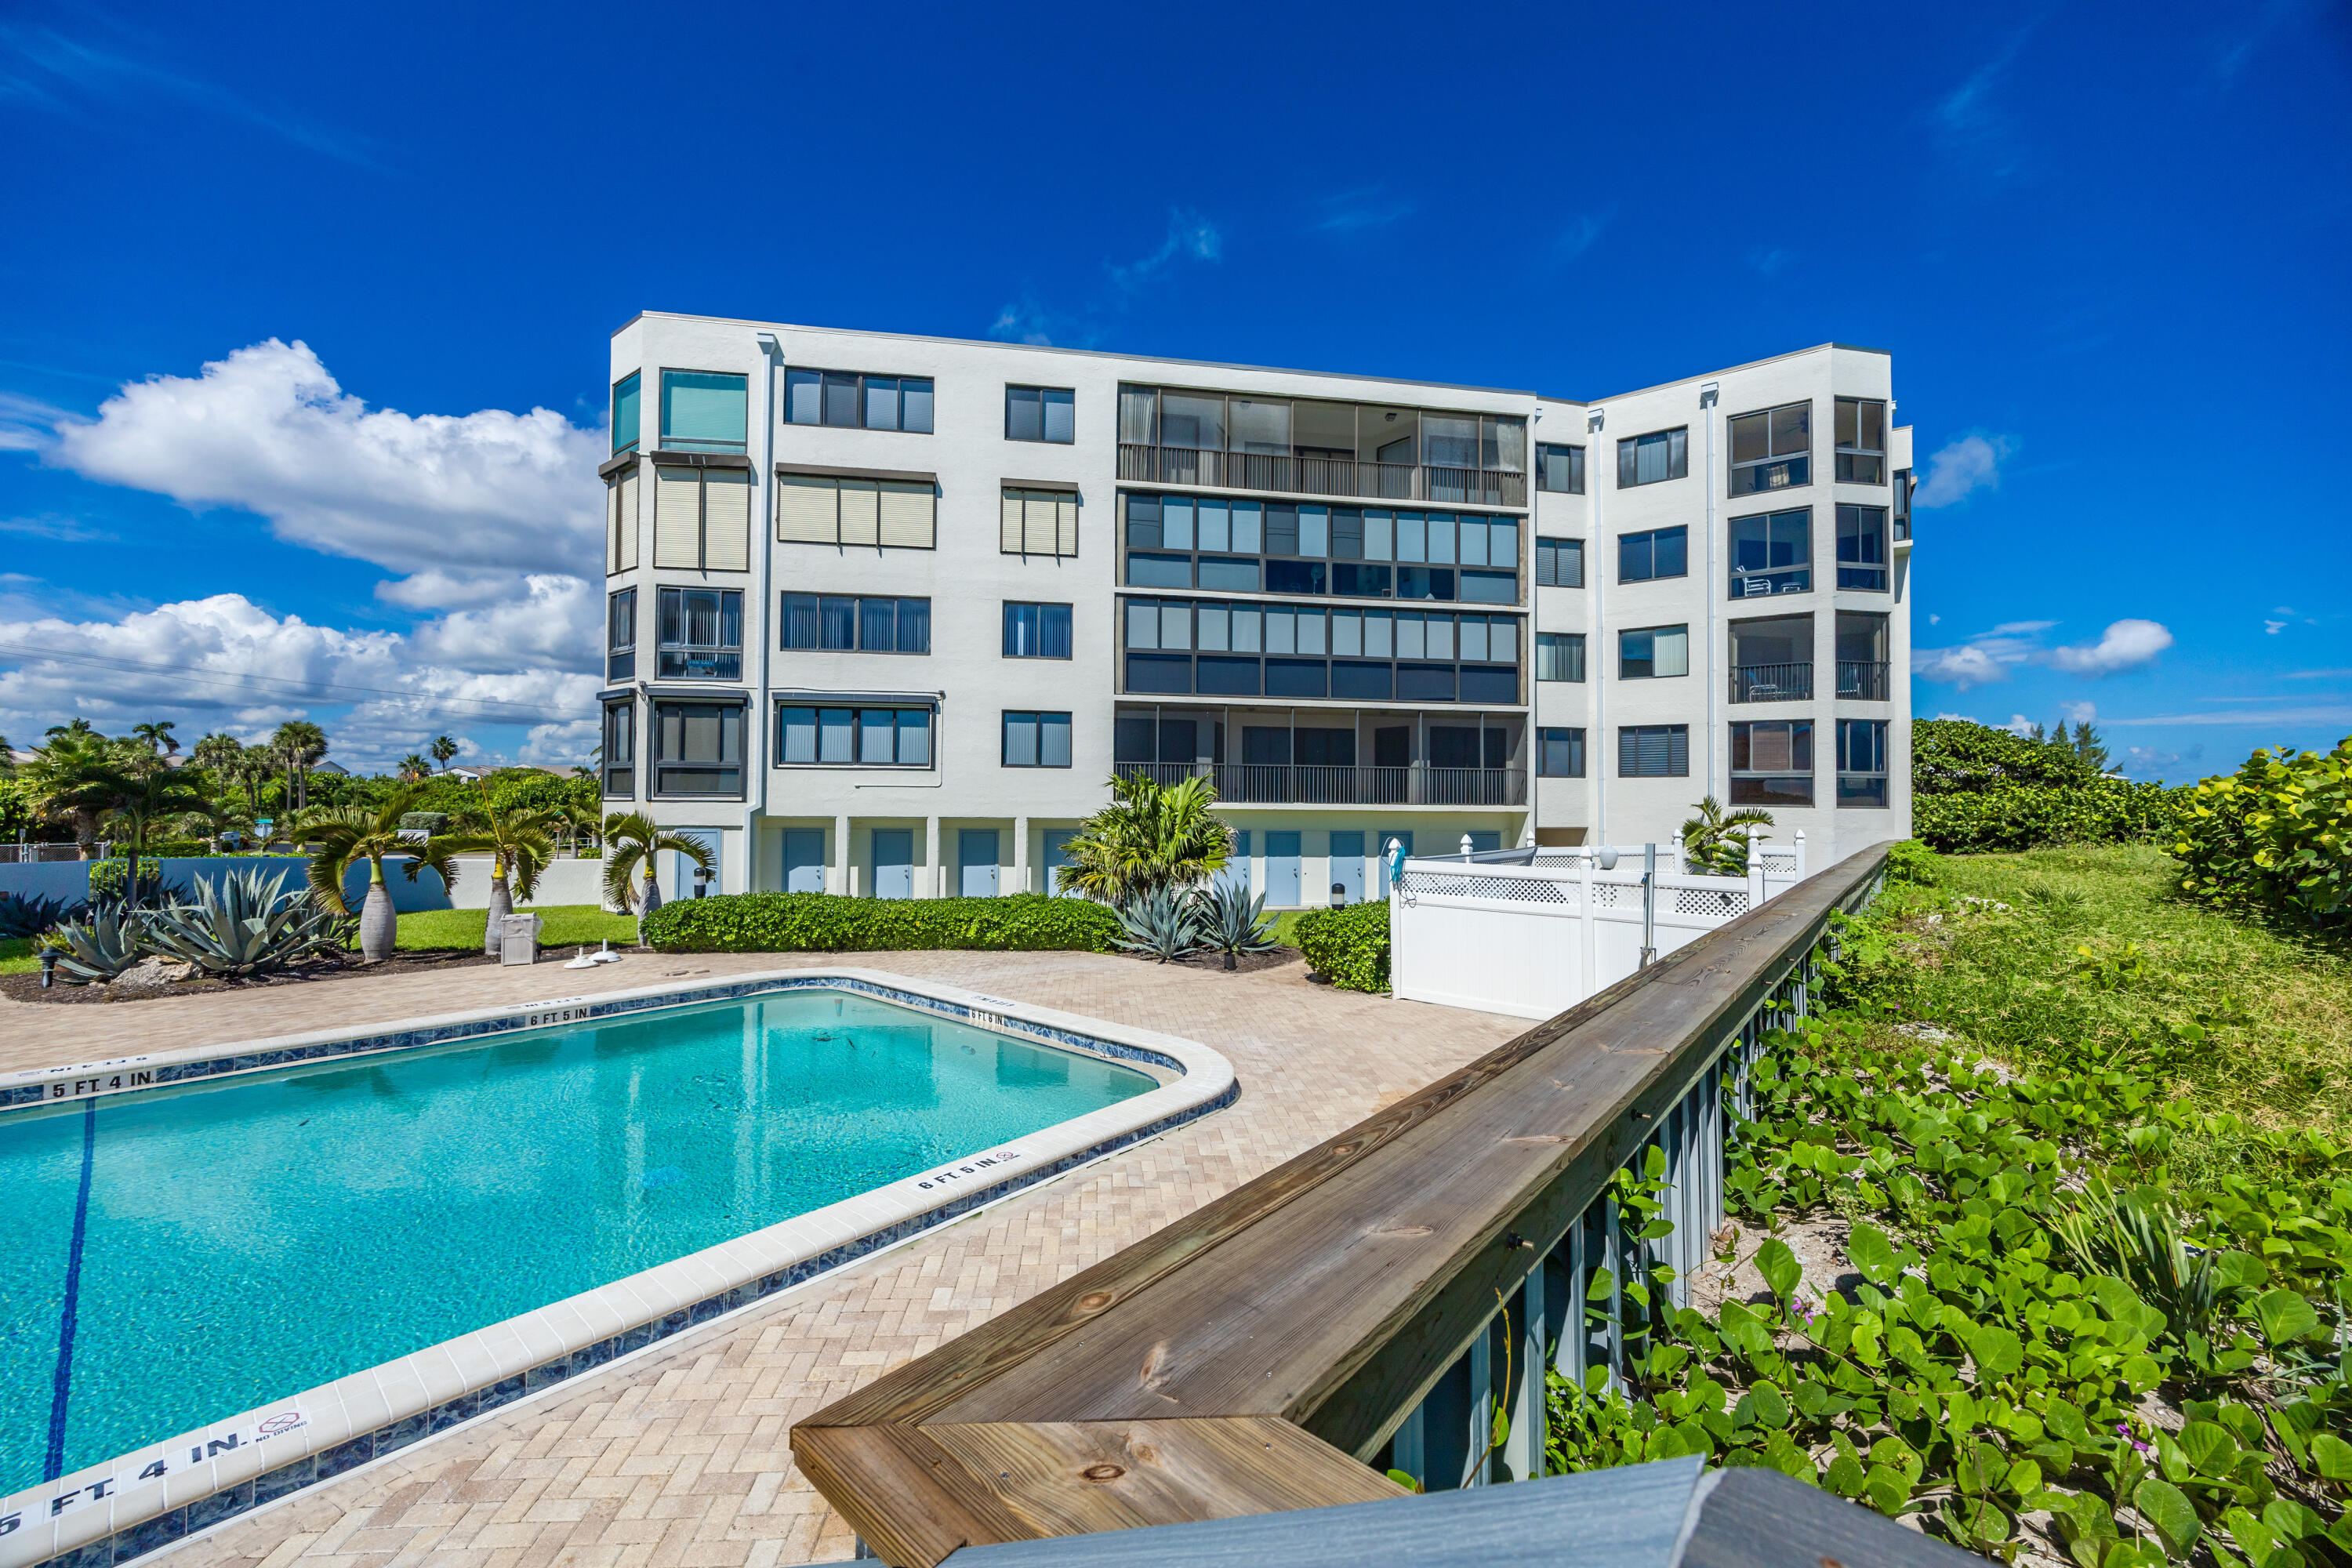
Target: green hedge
{"points": [[170, 850], [831, 923], [1348, 947], [2027, 817], [2277, 833]]}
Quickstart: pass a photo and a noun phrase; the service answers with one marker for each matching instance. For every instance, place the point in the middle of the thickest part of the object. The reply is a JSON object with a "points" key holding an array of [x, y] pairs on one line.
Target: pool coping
{"points": [[162, 1492]]}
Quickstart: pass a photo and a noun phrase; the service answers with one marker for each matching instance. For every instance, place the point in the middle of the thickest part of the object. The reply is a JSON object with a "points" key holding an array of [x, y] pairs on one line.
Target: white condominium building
{"points": [[885, 613]]}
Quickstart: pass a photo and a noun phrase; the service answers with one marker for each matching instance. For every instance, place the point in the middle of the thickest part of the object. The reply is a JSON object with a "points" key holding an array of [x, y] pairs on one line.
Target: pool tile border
{"points": [[319, 1434]]}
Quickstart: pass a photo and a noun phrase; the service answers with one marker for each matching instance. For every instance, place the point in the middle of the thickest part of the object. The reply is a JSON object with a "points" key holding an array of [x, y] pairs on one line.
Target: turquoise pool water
{"points": [[175, 1257]]}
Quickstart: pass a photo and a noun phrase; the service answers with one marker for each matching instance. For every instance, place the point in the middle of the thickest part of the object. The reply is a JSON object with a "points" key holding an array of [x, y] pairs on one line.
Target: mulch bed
{"points": [[1243, 963], [27, 987]]}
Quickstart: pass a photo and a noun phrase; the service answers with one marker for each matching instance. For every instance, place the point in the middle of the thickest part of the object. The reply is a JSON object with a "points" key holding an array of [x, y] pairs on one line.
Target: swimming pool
{"points": [[180, 1255]]}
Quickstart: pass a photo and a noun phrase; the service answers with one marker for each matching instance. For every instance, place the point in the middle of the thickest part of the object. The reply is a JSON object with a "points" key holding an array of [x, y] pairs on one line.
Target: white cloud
{"points": [[268, 429], [64, 529], [2274, 628], [1963, 718], [26, 423], [2146, 762], [2123, 644], [1966, 666], [2079, 712], [1190, 237], [2326, 715], [1964, 467], [2018, 725]]}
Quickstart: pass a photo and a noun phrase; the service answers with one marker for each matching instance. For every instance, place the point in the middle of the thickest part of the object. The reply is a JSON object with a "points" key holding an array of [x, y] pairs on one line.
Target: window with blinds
{"points": [[1653, 751], [621, 522], [830, 509], [1040, 523], [702, 519]]}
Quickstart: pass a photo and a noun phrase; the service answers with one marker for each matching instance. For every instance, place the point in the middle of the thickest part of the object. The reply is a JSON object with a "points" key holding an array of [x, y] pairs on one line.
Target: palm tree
{"points": [[159, 739], [76, 779], [346, 835], [7, 757], [414, 769], [300, 744], [443, 748], [77, 727], [145, 802], [1151, 836], [520, 848], [1716, 844], [631, 839]]}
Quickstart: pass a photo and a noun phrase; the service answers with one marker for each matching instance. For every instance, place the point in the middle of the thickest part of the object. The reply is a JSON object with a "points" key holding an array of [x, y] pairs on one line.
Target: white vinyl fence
{"points": [[1531, 932]]}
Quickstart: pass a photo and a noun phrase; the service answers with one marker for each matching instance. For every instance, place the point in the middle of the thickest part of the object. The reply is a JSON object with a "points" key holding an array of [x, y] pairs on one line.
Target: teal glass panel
{"points": [[624, 414], [704, 411]]}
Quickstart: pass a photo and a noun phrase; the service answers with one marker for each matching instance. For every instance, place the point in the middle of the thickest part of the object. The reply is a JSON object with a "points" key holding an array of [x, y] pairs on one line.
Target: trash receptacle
{"points": [[519, 939]]}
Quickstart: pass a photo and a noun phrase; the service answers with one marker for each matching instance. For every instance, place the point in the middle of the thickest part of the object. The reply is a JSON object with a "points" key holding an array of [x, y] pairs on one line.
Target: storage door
{"points": [[1057, 856], [894, 863], [1348, 866], [1236, 872], [682, 882], [976, 854], [1484, 840], [804, 859], [1282, 887]]}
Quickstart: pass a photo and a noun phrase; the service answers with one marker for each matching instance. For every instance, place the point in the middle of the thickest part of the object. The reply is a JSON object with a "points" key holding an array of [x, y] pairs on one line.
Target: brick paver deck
{"points": [[679, 1457]]}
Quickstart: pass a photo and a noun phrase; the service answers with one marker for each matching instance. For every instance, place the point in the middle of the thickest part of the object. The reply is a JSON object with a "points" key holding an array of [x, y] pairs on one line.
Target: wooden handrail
{"points": [[1252, 1356]]}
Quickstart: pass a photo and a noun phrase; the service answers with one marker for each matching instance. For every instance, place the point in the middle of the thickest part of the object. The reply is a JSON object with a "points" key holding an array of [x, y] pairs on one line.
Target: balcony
{"points": [[1275, 783], [1772, 682], [1862, 681], [1342, 477]]}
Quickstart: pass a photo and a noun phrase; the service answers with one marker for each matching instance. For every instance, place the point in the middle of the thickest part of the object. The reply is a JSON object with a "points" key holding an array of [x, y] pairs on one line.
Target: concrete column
{"points": [[933, 876], [841, 855], [1021, 855]]}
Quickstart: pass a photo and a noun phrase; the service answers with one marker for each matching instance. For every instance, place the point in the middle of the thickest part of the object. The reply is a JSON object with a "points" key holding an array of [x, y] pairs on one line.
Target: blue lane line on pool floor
{"points": [[61, 1391]]}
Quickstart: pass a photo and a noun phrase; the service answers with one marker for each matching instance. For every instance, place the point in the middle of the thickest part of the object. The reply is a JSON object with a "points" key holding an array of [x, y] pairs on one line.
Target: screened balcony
{"points": [[1299, 446], [1772, 660], [1863, 668], [1327, 758]]}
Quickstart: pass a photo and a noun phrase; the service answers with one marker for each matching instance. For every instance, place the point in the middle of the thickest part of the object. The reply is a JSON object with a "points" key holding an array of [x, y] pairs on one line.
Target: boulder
{"points": [[154, 970]]}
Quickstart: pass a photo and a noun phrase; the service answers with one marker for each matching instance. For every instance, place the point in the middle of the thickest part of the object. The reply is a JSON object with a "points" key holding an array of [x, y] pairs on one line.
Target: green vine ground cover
{"points": [[2066, 1153]]}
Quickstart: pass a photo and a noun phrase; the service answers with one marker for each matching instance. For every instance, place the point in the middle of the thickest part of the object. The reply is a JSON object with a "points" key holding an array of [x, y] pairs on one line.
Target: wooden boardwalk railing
{"points": [[1356, 1304]]}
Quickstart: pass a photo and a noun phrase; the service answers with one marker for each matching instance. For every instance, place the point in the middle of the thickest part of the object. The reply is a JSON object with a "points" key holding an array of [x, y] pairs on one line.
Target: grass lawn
{"points": [[2095, 946], [461, 930], [16, 957]]}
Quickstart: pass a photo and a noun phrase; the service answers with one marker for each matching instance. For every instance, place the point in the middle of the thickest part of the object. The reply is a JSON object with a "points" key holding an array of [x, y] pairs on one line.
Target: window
{"points": [[1560, 754], [1772, 450], [702, 518], [1036, 631], [1772, 762], [1040, 523], [621, 635], [1036, 740], [1862, 763], [833, 509], [1772, 659], [1861, 441], [1862, 655], [704, 411], [1653, 751], [1309, 548], [1559, 470], [1041, 413], [621, 521], [624, 414], [1654, 653], [1862, 548], [844, 623], [1902, 504], [701, 634], [1772, 553], [855, 401], [1281, 650], [1559, 562], [699, 749], [1560, 656], [853, 737], [620, 753], [1646, 460], [1661, 552]]}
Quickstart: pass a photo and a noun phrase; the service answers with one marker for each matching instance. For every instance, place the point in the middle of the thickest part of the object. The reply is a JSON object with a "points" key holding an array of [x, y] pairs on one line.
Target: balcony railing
{"points": [[1322, 477], [1771, 682], [1865, 681], [1281, 783]]}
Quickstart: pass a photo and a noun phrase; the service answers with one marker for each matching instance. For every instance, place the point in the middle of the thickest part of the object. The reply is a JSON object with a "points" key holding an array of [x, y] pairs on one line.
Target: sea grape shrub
{"points": [[1348, 947], [832, 923], [2276, 834], [1976, 790]]}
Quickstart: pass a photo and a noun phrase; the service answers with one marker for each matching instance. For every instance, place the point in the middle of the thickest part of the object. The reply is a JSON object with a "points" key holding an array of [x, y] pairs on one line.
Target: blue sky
{"points": [[2106, 246]]}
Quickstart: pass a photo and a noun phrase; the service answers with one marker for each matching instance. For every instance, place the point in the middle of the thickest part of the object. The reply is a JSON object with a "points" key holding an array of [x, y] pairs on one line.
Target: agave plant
{"points": [[1159, 925], [100, 945], [24, 914], [1231, 921], [248, 922]]}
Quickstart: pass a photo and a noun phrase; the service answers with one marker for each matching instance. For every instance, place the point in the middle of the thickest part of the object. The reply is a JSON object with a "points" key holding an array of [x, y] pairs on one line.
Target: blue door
{"points": [[804, 859], [1236, 872], [976, 853], [1056, 857], [1282, 870], [1348, 866], [894, 863], [684, 883], [1383, 838], [1484, 840]]}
